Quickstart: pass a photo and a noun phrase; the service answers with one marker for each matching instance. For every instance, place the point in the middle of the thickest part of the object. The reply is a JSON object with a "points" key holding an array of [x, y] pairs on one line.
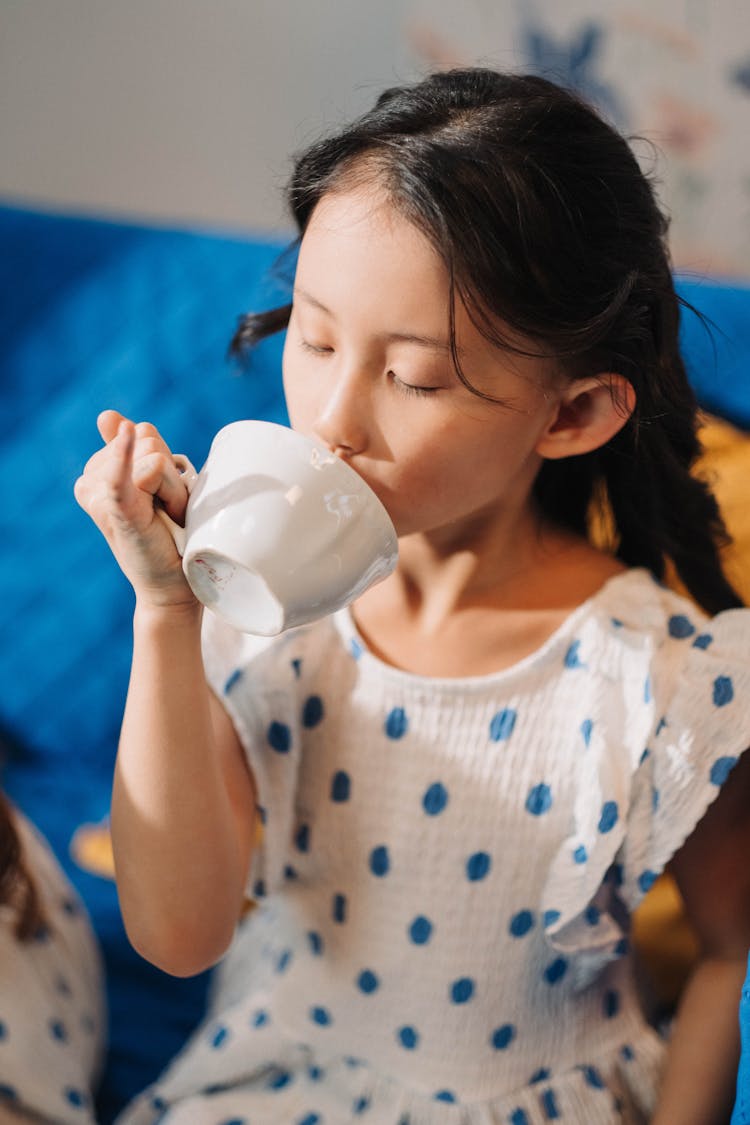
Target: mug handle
{"points": [[189, 475]]}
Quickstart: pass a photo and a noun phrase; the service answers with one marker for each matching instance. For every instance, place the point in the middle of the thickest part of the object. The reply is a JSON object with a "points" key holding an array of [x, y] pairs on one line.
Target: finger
{"points": [[108, 424], [119, 477], [156, 472]]}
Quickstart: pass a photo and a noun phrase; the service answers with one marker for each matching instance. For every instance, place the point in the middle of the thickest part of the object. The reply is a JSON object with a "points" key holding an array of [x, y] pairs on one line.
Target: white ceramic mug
{"points": [[279, 531]]}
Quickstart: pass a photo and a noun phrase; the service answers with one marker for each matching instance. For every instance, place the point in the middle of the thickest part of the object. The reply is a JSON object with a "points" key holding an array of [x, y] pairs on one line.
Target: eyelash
{"points": [[404, 388]]}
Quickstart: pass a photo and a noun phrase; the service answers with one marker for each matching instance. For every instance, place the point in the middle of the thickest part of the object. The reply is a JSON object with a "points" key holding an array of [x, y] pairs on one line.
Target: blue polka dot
{"points": [[550, 917], [592, 915], [396, 723], [539, 799], [502, 724], [721, 770], [380, 862], [647, 690], [309, 1119], [312, 712], [540, 1075], [580, 855], [680, 627], [462, 990], [279, 737], [616, 623], [723, 691], [518, 1117], [338, 908], [75, 1097], [521, 923], [315, 1073], [234, 1121], [9, 1093], [321, 1016], [435, 799], [549, 1105], [621, 947], [556, 970], [290, 872], [502, 1037], [259, 888], [592, 1077], [218, 1037], [478, 866], [611, 1003], [315, 942], [284, 961], [608, 818], [341, 786], [627, 1053], [655, 798], [703, 641], [408, 1037], [361, 1105], [587, 727], [445, 1096], [233, 680], [420, 931], [368, 982], [58, 1031], [259, 1018], [297, 667], [660, 727], [302, 838], [646, 880], [572, 656]]}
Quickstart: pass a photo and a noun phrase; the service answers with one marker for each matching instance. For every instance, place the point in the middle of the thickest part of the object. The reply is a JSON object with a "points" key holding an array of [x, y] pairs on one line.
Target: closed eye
{"points": [[411, 388], [315, 349]]}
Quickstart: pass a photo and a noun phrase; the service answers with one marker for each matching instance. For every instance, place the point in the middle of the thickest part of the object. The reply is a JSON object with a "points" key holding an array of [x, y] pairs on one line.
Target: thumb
{"points": [[108, 423]]}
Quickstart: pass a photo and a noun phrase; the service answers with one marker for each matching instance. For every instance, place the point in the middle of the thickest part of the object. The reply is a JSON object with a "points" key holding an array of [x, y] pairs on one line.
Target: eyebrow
{"points": [[431, 342]]}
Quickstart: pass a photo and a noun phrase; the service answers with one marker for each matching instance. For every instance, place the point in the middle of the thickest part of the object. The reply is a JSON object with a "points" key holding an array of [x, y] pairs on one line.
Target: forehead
{"points": [[358, 237]]}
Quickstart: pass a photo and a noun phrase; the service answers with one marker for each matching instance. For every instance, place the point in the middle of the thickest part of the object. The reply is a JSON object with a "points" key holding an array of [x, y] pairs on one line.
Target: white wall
{"points": [[188, 110], [180, 109]]}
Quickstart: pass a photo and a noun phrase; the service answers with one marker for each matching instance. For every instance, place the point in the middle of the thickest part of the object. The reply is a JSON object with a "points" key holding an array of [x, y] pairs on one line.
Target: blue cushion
{"points": [[716, 345], [96, 315]]}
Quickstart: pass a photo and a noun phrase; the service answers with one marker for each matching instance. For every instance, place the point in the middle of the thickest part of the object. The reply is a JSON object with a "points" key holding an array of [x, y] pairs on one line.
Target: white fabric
{"points": [[52, 1024], [448, 867]]}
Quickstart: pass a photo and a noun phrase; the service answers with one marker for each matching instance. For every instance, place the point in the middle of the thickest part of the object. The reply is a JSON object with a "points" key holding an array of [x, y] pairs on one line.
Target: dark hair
{"points": [[547, 224], [17, 887]]}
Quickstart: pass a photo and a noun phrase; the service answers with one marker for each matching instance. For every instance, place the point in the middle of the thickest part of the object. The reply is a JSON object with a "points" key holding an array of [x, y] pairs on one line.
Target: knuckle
{"points": [[146, 430]]}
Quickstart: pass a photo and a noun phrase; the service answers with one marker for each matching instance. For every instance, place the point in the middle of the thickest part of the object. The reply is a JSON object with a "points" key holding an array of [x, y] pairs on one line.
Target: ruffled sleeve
{"points": [[675, 719], [254, 678]]}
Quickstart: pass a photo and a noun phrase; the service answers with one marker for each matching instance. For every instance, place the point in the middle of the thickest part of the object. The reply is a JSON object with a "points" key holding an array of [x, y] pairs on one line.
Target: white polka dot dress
{"points": [[52, 1024], [448, 868]]}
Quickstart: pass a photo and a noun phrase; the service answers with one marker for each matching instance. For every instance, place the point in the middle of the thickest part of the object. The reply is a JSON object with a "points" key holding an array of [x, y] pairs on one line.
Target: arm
{"points": [[183, 803], [713, 874]]}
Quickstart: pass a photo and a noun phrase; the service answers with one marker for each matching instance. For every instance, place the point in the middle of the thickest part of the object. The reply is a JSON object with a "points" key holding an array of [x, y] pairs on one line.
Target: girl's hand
{"points": [[118, 488]]}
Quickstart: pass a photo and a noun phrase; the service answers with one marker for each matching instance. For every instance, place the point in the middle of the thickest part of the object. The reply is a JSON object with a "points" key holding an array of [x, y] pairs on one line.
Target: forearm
{"points": [[180, 872], [699, 1082]]}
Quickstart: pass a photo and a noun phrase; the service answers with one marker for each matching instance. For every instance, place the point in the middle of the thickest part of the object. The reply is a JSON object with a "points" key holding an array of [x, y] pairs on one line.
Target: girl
{"points": [[464, 784], [51, 987]]}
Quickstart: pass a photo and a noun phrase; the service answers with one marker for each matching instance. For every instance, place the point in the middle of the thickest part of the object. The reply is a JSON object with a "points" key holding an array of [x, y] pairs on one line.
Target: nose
{"points": [[342, 420]]}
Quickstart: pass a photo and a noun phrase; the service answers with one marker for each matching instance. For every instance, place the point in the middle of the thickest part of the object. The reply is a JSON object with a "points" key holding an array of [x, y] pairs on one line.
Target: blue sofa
{"points": [[93, 315]]}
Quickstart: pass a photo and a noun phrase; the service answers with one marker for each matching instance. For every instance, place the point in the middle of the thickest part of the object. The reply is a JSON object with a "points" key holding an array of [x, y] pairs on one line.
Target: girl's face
{"points": [[368, 369]]}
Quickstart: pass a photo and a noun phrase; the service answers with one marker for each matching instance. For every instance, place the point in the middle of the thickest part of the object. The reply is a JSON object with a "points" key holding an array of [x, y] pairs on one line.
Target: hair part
{"points": [[555, 243]]}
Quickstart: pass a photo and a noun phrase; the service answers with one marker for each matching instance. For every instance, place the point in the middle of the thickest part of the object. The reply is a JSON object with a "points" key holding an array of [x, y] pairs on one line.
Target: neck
{"points": [[497, 564]]}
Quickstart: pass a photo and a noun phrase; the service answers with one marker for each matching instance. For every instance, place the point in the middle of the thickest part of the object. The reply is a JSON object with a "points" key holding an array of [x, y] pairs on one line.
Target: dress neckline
{"points": [[347, 629]]}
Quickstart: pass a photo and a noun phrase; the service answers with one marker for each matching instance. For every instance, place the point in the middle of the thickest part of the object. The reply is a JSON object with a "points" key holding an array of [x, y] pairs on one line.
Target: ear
{"points": [[589, 412]]}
